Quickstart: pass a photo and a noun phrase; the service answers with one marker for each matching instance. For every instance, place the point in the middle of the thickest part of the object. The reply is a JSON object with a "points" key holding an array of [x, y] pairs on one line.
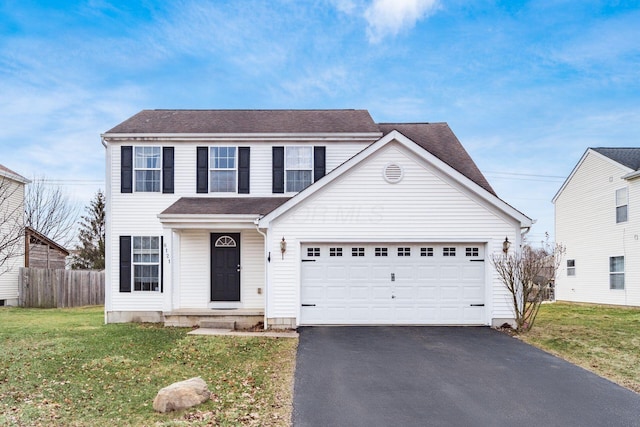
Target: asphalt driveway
{"points": [[446, 376]]}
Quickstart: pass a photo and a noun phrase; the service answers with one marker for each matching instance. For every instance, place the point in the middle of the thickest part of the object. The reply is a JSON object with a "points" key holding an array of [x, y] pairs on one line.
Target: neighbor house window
{"points": [[147, 167], [571, 267], [621, 205], [146, 263], [616, 272], [298, 168], [222, 170]]}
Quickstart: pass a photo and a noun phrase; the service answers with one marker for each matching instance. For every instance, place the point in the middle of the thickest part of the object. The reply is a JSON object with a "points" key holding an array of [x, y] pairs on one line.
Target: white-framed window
{"points": [[298, 166], [223, 169], [426, 251], [146, 263], [449, 251], [381, 251], [357, 251], [147, 165], [622, 202], [616, 272], [404, 251], [571, 267]]}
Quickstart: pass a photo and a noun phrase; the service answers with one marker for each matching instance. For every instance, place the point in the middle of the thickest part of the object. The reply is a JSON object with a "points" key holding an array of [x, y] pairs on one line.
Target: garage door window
{"points": [[313, 252], [404, 251], [382, 252], [426, 251], [448, 251], [471, 252], [335, 251], [357, 251]]}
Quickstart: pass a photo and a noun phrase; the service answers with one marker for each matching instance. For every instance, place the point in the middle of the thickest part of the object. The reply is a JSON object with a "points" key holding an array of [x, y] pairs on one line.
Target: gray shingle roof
{"points": [[224, 205], [629, 157], [248, 121], [439, 140]]}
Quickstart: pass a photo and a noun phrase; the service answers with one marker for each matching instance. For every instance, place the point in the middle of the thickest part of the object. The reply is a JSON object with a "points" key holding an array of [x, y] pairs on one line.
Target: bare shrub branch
{"points": [[526, 274], [49, 211]]}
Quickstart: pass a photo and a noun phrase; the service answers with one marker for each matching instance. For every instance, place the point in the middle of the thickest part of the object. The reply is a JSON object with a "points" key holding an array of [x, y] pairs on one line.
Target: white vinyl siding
{"points": [[586, 226], [11, 222], [361, 206]]}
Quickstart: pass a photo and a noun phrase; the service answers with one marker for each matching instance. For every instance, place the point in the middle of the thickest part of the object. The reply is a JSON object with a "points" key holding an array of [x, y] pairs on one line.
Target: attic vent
{"points": [[392, 173]]}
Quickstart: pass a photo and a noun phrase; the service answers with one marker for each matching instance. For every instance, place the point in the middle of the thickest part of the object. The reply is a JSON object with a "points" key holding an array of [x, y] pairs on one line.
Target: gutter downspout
{"points": [[266, 270]]}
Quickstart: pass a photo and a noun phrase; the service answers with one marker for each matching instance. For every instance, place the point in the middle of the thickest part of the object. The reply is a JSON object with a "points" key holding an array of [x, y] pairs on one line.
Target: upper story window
{"points": [[298, 168], [621, 205], [616, 272], [223, 169], [147, 169]]}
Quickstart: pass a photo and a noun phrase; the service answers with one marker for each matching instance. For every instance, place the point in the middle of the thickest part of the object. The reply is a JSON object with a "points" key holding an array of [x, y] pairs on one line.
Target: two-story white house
{"points": [[12, 249], [597, 219], [300, 217]]}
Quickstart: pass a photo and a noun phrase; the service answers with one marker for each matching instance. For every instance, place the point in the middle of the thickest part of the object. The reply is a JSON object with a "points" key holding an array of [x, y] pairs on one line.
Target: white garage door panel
{"points": [[427, 283]]}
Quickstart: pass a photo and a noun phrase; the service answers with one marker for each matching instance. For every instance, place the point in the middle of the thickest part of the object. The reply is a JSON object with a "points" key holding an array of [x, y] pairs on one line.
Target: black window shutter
{"points": [[278, 170], [319, 162], [126, 169], [161, 264], [202, 172], [167, 170], [243, 169], [125, 263]]}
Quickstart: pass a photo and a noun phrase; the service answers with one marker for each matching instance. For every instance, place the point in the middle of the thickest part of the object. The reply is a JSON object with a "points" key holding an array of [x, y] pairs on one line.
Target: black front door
{"points": [[225, 266]]}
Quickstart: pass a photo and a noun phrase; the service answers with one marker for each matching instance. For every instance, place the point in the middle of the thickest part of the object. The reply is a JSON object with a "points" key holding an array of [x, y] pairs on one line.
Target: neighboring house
{"points": [[42, 252], [11, 233], [301, 217], [597, 218]]}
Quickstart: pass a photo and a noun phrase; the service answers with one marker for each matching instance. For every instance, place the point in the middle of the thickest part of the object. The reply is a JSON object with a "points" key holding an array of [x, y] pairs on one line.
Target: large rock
{"points": [[182, 395]]}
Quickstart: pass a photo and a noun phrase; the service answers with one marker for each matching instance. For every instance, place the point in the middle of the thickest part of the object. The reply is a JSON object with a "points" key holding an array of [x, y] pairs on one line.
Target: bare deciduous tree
{"points": [[11, 223], [527, 273], [50, 212]]}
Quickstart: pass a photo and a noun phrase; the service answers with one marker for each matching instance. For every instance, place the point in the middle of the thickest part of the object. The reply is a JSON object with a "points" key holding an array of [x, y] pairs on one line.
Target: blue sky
{"points": [[526, 86]]}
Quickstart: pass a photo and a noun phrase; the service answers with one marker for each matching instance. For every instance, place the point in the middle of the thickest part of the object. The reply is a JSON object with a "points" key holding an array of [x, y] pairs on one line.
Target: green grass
{"points": [[65, 367], [602, 339]]}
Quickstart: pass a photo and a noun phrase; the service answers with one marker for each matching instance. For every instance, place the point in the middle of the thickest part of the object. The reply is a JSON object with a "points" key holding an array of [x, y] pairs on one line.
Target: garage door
{"points": [[411, 284]]}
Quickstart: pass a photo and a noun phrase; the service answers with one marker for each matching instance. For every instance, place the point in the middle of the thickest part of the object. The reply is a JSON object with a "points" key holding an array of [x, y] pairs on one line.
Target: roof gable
{"points": [[417, 149], [625, 158], [247, 122], [629, 157], [8, 173], [439, 140]]}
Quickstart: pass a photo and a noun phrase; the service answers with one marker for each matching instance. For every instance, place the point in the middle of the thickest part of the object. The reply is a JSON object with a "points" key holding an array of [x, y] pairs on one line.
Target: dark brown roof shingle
{"points": [[224, 205], [248, 121]]}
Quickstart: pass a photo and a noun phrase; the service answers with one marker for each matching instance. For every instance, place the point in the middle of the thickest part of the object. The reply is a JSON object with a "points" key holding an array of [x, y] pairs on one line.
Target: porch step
{"points": [[218, 324]]}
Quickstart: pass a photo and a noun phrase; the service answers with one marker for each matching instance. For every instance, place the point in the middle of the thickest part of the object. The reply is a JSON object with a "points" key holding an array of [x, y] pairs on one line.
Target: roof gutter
{"points": [[632, 175]]}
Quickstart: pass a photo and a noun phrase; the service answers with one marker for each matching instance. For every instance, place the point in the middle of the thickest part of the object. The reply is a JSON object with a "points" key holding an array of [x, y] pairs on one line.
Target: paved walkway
{"points": [[446, 376]]}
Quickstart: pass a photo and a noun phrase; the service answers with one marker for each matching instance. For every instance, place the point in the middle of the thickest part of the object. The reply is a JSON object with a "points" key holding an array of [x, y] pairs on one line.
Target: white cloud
{"points": [[389, 17]]}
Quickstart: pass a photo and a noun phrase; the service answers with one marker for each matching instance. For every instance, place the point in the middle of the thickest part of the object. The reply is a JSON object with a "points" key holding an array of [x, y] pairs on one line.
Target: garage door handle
{"points": [[308, 260], [476, 260], [476, 305], [308, 305]]}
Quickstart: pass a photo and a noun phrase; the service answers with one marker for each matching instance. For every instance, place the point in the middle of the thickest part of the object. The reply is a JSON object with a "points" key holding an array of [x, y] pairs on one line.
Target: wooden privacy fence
{"points": [[58, 288]]}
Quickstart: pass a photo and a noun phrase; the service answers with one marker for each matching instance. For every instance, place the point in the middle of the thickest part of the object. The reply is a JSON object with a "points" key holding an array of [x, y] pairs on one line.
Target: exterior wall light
{"points": [[506, 245], [283, 247]]}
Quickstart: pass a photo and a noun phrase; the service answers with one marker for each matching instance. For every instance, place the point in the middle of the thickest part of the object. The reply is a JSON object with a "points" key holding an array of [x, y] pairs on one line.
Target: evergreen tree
{"points": [[90, 252]]}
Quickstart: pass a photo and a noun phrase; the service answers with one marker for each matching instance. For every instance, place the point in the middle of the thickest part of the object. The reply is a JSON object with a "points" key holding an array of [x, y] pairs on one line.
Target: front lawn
{"points": [[605, 340], [65, 367]]}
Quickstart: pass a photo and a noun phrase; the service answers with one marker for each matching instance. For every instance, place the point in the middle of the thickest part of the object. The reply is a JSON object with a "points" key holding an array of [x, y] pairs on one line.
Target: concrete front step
{"points": [[214, 319]]}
